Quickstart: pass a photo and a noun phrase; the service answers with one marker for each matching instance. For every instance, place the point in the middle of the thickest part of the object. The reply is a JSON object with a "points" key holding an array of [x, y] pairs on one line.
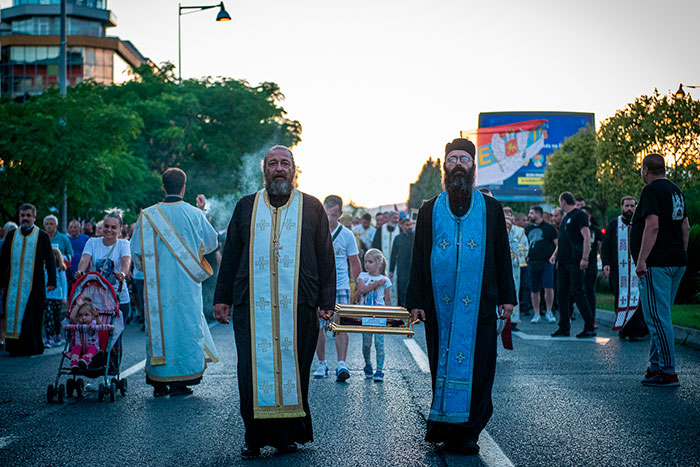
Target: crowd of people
{"points": [[463, 265]]}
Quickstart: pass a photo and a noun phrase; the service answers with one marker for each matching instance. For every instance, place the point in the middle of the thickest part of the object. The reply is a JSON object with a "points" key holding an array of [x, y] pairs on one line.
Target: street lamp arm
{"points": [[198, 8], [222, 16]]}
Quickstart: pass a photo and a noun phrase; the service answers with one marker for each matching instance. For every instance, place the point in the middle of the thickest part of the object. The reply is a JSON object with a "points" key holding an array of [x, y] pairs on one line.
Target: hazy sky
{"points": [[379, 86]]}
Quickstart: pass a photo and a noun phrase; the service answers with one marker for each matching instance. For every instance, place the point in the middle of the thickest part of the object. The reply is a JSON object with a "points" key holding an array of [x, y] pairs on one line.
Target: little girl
{"points": [[373, 288], [85, 342], [54, 302]]}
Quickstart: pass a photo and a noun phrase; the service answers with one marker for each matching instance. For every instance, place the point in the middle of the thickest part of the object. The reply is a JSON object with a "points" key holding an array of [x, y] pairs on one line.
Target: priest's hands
{"points": [[325, 314], [201, 202], [417, 315], [504, 311], [606, 271], [222, 312]]}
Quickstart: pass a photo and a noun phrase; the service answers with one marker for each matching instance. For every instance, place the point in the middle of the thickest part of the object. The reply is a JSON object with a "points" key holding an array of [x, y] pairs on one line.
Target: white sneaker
{"points": [[536, 318], [550, 317], [321, 371]]}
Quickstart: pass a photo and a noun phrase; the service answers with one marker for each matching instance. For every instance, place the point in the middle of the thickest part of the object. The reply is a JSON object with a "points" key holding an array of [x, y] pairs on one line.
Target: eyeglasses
{"points": [[462, 159]]}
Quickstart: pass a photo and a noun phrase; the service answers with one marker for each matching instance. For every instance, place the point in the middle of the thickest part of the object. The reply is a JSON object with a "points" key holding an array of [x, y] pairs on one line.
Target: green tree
{"points": [[205, 127], [77, 141], [428, 184], [574, 167], [109, 144], [664, 124]]}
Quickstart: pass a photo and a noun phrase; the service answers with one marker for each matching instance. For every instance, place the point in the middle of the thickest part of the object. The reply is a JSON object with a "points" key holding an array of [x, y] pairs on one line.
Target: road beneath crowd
{"points": [[570, 402]]}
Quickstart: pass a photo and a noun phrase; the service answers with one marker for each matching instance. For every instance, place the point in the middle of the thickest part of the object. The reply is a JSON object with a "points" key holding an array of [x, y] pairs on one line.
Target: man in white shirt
{"points": [[346, 254]]}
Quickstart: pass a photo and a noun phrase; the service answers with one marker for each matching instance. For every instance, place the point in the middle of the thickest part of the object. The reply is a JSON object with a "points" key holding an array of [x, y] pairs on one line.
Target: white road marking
{"points": [[538, 337], [133, 369], [490, 452], [418, 355], [140, 365]]}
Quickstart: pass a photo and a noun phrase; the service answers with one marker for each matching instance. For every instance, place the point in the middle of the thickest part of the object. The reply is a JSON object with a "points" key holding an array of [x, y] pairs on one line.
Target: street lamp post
{"points": [[222, 16], [680, 94]]}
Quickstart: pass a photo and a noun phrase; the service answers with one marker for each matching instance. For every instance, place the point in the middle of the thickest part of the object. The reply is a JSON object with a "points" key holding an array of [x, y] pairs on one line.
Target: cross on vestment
{"points": [[288, 224], [263, 345], [276, 247], [444, 243], [467, 301], [286, 261], [289, 387], [285, 302], [472, 244], [263, 225], [263, 304], [623, 300], [624, 263], [261, 262], [286, 343], [266, 387], [446, 299], [460, 357]]}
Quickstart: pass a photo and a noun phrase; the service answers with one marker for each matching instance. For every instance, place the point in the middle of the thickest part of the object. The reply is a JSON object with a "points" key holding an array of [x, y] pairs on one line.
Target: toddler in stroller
{"points": [[93, 341], [85, 342]]}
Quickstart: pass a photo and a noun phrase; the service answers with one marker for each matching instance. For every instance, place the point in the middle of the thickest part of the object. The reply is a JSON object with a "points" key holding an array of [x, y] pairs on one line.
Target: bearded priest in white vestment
{"points": [[277, 270], [168, 245]]}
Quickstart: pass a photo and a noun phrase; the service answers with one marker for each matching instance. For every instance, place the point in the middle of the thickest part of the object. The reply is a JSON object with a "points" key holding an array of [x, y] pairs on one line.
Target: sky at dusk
{"points": [[380, 86]]}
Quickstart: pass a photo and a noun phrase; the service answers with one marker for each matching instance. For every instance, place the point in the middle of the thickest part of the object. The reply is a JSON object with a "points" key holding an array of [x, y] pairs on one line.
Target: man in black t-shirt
{"points": [[591, 274], [543, 241], [572, 253], [659, 242]]}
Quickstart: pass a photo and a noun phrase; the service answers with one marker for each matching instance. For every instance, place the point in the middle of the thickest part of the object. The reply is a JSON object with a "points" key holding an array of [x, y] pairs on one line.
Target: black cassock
{"points": [[316, 290], [635, 327], [400, 263], [497, 288], [30, 341]]}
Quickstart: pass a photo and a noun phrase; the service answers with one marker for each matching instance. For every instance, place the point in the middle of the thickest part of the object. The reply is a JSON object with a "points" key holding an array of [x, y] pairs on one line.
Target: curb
{"points": [[684, 336]]}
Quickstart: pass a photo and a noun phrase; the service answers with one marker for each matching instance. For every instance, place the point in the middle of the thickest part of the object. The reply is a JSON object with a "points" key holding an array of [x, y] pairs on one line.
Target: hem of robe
{"points": [[168, 379], [481, 408], [151, 380]]}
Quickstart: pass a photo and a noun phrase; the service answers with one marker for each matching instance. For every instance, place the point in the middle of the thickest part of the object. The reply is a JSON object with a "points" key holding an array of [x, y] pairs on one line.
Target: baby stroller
{"points": [[106, 361]]}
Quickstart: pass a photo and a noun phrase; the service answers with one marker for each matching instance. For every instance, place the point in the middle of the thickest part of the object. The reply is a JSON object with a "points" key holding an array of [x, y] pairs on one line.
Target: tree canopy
{"points": [[428, 184], [109, 144], [603, 166]]}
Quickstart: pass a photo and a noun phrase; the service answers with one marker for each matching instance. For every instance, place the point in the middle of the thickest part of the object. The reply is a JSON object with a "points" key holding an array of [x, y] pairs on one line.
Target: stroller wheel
{"points": [[123, 386], [50, 393], [112, 391], [70, 385], [101, 393], [79, 387], [61, 392]]}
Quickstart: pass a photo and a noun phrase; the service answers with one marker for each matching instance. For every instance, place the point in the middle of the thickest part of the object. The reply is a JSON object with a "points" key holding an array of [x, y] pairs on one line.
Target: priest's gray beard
{"points": [[459, 182], [278, 188]]}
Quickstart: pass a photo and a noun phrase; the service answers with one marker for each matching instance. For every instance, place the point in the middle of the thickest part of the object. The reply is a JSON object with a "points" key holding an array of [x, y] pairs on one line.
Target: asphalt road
{"points": [[556, 403]]}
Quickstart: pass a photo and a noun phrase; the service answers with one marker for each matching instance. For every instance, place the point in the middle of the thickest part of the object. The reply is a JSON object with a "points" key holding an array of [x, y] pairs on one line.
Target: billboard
{"points": [[512, 149]]}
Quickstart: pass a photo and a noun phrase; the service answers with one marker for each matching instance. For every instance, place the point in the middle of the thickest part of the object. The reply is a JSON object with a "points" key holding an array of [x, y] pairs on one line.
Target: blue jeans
{"points": [[657, 291]]}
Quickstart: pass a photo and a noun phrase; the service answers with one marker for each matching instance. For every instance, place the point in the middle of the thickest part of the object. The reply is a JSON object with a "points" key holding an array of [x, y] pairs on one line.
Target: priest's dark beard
{"points": [[459, 182], [278, 188]]}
